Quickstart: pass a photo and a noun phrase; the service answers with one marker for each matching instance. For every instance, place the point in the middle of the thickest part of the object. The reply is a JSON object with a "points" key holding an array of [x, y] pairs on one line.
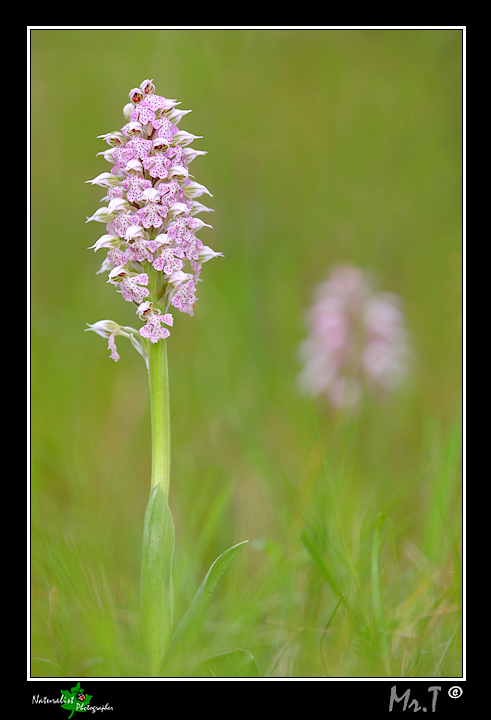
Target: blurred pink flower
{"points": [[357, 339]]}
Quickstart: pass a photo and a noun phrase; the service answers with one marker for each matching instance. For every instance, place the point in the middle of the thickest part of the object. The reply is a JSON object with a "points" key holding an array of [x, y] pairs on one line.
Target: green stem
{"points": [[158, 375], [156, 595]]}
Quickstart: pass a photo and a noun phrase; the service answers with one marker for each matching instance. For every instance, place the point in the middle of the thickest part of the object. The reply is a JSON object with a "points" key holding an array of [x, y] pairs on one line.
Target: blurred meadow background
{"points": [[324, 147]]}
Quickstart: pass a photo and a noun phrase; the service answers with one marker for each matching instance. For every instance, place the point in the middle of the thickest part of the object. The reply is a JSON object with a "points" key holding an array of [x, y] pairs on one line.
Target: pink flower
{"points": [[132, 289], [157, 165], [114, 258], [170, 192], [153, 213], [130, 285], [154, 102], [140, 246], [181, 228], [177, 155], [139, 147], [184, 296], [145, 108], [169, 260], [165, 129], [135, 184], [356, 342], [153, 329]]}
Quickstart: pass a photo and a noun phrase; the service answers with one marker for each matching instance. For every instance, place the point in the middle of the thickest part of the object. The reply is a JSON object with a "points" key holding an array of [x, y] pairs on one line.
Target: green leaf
{"points": [[156, 594], [237, 663], [186, 634]]}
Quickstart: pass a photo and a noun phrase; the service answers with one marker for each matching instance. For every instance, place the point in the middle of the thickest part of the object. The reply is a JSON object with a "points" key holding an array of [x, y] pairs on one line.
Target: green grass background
{"points": [[324, 146]]}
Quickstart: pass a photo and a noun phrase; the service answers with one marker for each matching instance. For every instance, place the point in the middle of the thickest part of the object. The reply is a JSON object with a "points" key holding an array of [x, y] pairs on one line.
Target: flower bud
{"points": [[103, 215], [133, 129], [134, 166], [107, 154], [127, 110], [193, 190], [118, 205], [118, 273], [159, 144], [114, 139], [104, 328], [163, 239], [151, 195], [178, 171], [147, 87], [198, 224], [177, 208], [135, 231], [184, 138], [178, 277], [106, 179], [136, 96], [176, 115], [110, 241], [190, 154], [144, 308], [206, 253]]}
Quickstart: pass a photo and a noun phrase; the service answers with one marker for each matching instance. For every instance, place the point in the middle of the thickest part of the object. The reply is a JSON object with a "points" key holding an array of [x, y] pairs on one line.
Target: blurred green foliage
{"points": [[324, 146]]}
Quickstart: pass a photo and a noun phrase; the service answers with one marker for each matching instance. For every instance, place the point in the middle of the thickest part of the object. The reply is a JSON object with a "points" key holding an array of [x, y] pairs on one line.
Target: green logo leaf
{"points": [[75, 700]]}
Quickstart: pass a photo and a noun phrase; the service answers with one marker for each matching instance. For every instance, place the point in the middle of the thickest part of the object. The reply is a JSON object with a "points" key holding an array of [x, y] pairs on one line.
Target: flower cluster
{"points": [[150, 216], [357, 340]]}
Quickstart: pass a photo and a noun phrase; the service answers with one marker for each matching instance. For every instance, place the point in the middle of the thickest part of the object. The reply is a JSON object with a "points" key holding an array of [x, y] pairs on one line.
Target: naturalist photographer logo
{"points": [[73, 700]]}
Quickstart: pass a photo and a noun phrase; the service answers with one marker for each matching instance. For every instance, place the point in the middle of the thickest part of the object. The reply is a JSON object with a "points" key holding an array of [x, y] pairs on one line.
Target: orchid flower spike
{"points": [[154, 256]]}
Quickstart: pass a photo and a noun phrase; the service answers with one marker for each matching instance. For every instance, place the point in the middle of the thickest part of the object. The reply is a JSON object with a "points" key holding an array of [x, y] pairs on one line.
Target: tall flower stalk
{"points": [[154, 259]]}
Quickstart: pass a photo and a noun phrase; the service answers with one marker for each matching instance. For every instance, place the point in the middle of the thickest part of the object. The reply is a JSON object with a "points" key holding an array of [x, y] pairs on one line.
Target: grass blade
{"points": [[188, 629], [322, 566]]}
